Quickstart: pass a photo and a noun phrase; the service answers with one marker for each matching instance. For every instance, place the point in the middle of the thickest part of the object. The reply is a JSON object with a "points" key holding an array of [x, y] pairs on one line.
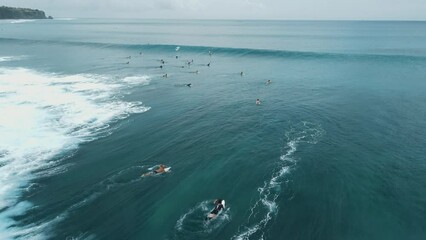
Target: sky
{"points": [[231, 9]]}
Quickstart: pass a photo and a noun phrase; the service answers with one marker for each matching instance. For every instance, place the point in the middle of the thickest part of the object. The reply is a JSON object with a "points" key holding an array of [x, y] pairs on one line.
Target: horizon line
{"points": [[252, 19]]}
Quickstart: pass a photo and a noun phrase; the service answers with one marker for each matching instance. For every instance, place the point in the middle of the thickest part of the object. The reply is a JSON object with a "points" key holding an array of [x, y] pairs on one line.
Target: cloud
{"points": [[230, 9], [254, 4], [192, 5]]}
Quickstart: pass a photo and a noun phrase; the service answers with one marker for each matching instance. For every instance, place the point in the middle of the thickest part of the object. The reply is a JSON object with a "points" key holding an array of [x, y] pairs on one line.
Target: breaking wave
{"points": [[44, 117]]}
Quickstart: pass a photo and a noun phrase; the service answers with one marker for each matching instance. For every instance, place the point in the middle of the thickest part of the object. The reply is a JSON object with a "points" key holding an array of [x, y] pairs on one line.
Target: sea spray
{"points": [[43, 118]]}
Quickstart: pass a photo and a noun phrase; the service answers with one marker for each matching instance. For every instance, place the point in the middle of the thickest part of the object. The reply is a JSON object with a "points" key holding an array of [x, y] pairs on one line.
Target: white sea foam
{"points": [[22, 20], [11, 58], [64, 19], [5, 59], [137, 80], [82, 236], [265, 207], [43, 117]]}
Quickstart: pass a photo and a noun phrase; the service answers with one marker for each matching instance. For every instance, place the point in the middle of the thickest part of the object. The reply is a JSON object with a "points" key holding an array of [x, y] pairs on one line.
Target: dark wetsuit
{"points": [[217, 209]]}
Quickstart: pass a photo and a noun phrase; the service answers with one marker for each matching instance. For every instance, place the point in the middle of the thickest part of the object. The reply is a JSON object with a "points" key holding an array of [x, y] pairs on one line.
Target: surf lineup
{"points": [[161, 169]]}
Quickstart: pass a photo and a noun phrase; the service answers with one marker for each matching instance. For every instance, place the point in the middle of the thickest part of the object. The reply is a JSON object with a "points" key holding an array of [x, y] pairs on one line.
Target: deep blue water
{"points": [[335, 150]]}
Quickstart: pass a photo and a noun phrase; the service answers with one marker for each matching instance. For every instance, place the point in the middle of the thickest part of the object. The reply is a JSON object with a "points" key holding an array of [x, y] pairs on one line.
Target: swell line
{"points": [[235, 52]]}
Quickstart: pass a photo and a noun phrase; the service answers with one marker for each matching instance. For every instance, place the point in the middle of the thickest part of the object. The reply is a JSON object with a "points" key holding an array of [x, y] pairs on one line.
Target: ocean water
{"points": [[335, 150]]}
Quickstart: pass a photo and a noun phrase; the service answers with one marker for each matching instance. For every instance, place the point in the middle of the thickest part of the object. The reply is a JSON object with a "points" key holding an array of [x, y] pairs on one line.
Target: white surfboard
{"points": [[221, 210], [167, 169]]}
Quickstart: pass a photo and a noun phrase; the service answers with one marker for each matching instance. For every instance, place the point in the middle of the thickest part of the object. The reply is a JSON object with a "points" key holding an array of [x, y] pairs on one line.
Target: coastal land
{"points": [[21, 13]]}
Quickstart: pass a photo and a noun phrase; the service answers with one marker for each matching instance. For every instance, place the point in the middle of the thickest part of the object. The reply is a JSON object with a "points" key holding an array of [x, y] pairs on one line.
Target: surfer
{"points": [[165, 75], [160, 169], [258, 101], [208, 64], [189, 84], [268, 82], [241, 73], [219, 206]]}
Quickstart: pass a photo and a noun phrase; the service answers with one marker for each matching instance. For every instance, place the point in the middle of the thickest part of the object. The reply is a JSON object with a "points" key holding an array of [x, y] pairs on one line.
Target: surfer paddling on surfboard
{"points": [[219, 206], [159, 170]]}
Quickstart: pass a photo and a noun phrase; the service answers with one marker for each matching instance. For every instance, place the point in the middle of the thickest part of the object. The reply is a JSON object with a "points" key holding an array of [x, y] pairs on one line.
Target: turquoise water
{"points": [[335, 150]]}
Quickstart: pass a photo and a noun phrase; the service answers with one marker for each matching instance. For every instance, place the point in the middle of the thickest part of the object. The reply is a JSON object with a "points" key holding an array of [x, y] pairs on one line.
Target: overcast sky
{"points": [[231, 9]]}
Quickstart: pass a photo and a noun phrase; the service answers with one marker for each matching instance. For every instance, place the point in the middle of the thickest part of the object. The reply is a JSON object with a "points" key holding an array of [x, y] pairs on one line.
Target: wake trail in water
{"points": [[192, 224], [265, 207], [116, 180]]}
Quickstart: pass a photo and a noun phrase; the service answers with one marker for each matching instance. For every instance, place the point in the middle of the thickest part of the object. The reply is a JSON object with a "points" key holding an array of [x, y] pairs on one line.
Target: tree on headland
{"points": [[21, 13]]}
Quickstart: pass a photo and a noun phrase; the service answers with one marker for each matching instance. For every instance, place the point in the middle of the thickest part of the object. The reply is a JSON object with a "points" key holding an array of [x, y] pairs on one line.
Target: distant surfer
{"points": [[189, 85], [160, 169], [219, 206], [161, 66], [268, 82], [165, 75], [208, 64], [127, 62], [242, 73], [258, 101]]}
